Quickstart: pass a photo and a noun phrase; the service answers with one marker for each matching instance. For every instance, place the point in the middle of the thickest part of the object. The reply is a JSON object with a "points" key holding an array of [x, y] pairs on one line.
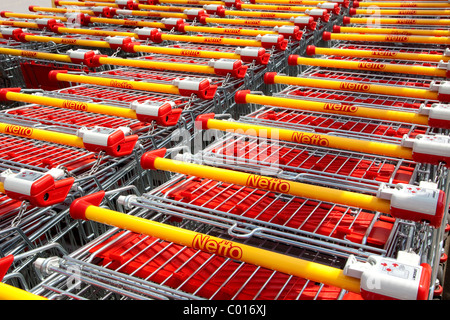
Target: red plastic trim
{"points": [[346, 20], [148, 158], [336, 29], [326, 36], [78, 207], [240, 96], [201, 122], [4, 91], [311, 50], [269, 77], [5, 263], [52, 75], [292, 60]]}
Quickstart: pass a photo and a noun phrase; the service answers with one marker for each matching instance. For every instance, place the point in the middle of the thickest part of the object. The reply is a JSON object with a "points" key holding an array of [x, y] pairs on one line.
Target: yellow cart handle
{"points": [[244, 96], [380, 54], [244, 22], [59, 10], [127, 23], [401, 4], [36, 55], [112, 142], [294, 60], [396, 21], [69, 41], [406, 32], [9, 14], [42, 135], [266, 41], [162, 113], [154, 160], [404, 12], [272, 78], [287, 2], [385, 38], [87, 208], [207, 121], [258, 14], [202, 88], [8, 292]]}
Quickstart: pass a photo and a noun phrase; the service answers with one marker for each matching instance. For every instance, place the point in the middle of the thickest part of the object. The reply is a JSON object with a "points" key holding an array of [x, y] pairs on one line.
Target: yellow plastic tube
{"points": [[72, 105], [280, 8], [131, 85], [184, 67], [417, 32], [42, 135], [158, 14], [8, 292], [36, 55], [373, 66], [257, 14], [298, 189], [97, 33], [408, 4], [387, 38], [290, 2], [337, 108], [229, 249], [251, 22], [32, 16], [214, 40], [233, 31], [382, 54], [71, 41], [323, 140], [98, 3], [129, 23], [192, 2], [19, 24], [405, 12], [187, 52], [355, 87], [401, 21], [60, 10]]}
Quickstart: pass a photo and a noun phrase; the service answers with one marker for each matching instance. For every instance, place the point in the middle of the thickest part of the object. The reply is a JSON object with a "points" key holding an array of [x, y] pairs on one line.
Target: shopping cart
{"points": [[180, 274]]}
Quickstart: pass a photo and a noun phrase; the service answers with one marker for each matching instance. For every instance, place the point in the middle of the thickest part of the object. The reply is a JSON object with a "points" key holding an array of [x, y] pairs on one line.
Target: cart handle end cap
{"points": [[148, 158], [311, 50], [269, 77], [31, 8], [326, 36], [53, 75], [336, 29], [3, 13], [240, 95], [202, 19], [4, 91], [79, 206], [352, 11], [5, 264], [355, 4], [292, 60], [201, 122], [346, 20]]}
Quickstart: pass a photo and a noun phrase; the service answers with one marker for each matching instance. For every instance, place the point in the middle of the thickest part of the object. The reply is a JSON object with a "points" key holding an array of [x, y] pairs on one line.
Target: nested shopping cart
{"points": [[257, 216]]}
